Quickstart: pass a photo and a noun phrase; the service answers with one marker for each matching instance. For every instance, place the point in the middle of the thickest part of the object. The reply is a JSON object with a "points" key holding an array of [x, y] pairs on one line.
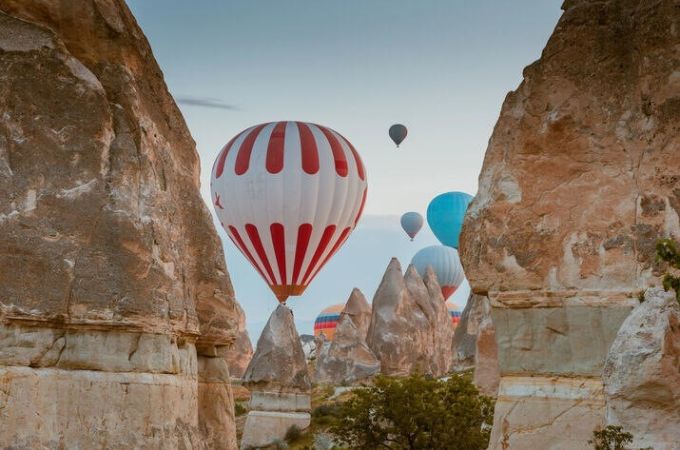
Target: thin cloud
{"points": [[207, 102]]}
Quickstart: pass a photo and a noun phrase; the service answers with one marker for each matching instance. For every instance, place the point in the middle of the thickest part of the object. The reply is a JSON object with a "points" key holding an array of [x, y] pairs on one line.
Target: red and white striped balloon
{"points": [[288, 194]]}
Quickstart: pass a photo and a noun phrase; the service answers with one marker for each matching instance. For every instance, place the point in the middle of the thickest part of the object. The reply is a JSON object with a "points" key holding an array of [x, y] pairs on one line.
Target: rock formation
{"points": [[238, 355], [579, 180], [642, 373], [308, 342], [111, 272], [465, 335], [474, 344], [348, 359], [279, 383], [410, 327]]}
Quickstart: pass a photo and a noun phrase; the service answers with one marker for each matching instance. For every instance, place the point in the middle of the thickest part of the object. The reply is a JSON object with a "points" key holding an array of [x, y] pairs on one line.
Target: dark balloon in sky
{"points": [[398, 133]]}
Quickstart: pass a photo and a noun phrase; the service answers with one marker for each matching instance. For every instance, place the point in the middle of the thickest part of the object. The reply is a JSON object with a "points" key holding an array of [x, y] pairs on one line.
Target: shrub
{"points": [[293, 434], [239, 409], [667, 251], [611, 438], [416, 413]]}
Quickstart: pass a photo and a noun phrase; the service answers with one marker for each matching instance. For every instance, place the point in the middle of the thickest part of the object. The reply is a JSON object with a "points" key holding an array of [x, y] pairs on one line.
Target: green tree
{"points": [[611, 438], [667, 250], [416, 413]]}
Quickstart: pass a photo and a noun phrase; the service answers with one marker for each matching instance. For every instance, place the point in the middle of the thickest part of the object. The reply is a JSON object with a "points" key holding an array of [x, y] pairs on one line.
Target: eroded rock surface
{"points": [[642, 373], [579, 180], [279, 363], [348, 359], [279, 383], [111, 273], [410, 327]]}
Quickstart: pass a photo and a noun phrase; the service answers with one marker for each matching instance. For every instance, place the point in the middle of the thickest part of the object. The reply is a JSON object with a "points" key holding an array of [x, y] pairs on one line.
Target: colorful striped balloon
{"points": [[288, 195], [454, 312], [327, 321]]}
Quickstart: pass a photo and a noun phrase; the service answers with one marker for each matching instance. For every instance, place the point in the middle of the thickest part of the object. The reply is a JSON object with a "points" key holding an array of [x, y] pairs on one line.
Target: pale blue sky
{"points": [[441, 67]]}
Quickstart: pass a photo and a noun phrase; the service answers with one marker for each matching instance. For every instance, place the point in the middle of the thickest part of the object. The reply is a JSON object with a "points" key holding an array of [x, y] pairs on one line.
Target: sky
{"points": [[441, 67]]}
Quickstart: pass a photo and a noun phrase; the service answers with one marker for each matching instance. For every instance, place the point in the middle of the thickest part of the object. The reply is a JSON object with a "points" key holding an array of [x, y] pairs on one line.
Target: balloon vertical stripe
{"points": [[243, 157], [254, 236], [223, 157], [357, 159], [338, 153], [310, 152], [304, 233], [275, 148], [242, 246], [325, 239], [279, 242]]}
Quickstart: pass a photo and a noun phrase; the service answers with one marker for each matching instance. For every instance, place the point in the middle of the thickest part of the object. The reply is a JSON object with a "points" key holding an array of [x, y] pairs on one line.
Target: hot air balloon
{"points": [[412, 222], [398, 133], [446, 265], [288, 194], [445, 216], [454, 312], [327, 320]]}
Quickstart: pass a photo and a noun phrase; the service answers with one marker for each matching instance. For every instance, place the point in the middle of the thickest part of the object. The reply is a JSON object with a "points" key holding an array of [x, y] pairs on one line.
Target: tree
{"points": [[416, 413], [611, 438], [667, 250]]}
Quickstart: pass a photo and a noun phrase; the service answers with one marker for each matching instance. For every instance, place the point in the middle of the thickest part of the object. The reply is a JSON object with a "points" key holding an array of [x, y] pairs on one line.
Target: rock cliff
{"points": [[111, 272], [347, 359], [410, 327], [579, 180], [642, 373]]}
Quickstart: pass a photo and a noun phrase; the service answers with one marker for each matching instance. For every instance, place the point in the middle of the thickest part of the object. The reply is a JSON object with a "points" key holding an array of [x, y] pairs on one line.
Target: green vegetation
{"points": [[667, 251], [612, 438], [415, 413], [239, 409]]}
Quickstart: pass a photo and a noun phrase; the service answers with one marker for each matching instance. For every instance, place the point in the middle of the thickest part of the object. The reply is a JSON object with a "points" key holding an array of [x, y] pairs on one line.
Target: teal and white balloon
{"points": [[412, 222], [446, 265]]}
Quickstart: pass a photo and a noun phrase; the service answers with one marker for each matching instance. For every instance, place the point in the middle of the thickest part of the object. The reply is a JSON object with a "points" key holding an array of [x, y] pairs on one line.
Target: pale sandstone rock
{"points": [[642, 373], [279, 382], [465, 335], [579, 180], [347, 359], [278, 364], [487, 369], [110, 268], [410, 327], [239, 353]]}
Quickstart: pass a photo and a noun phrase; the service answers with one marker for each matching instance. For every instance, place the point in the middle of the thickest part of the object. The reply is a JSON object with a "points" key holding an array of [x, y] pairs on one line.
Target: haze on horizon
{"points": [[441, 67]]}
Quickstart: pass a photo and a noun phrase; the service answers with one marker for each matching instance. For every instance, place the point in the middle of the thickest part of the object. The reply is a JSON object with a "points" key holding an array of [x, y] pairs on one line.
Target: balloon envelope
{"points": [[445, 216], [446, 265], [412, 222], [398, 133], [288, 194], [327, 320]]}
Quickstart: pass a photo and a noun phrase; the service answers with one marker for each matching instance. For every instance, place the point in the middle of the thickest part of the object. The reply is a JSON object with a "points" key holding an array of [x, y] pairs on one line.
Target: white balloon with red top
{"points": [[288, 194]]}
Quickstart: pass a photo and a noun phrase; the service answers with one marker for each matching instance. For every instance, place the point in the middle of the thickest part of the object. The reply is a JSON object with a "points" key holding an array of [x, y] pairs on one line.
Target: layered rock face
{"points": [[642, 373], [348, 358], [410, 327], [111, 273], [239, 353], [579, 180], [279, 383]]}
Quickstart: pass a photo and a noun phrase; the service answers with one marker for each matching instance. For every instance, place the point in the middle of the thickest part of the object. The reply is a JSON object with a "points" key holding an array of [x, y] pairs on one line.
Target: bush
{"points": [[611, 438], [416, 413], [326, 413], [239, 409], [667, 251], [293, 434]]}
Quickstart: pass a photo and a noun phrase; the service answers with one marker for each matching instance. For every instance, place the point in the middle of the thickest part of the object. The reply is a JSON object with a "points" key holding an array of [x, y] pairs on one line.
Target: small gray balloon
{"points": [[398, 133]]}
